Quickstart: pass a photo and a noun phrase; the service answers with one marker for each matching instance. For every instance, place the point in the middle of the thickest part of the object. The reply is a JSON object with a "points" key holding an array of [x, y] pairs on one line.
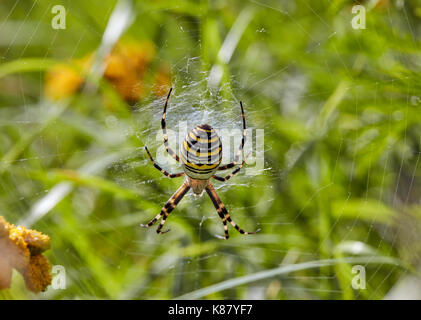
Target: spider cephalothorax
{"points": [[201, 156]]}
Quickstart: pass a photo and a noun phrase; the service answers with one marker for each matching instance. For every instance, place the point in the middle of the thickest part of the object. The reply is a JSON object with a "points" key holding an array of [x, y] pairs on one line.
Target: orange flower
{"points": [[125, 68], [62, 80], [21, 249], [162, 81]]}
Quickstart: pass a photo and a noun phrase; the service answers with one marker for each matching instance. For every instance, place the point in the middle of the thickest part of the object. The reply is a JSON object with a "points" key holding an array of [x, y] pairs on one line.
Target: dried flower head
{"points": [[21, 249]]}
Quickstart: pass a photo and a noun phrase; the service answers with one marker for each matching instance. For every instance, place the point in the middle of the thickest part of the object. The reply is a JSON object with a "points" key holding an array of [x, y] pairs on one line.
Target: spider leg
{"points": [[223, 179], [214, 197], [243, 141], [223, 213], [167, 208], [166, 173], [164, 131]]}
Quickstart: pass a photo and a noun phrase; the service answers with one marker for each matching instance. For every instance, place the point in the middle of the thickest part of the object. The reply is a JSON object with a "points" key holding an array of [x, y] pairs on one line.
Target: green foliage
{"points": [[340, 113]]}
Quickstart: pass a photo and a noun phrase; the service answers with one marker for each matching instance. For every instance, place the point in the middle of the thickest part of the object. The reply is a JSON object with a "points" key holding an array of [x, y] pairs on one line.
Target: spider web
{"points": [[194, 101]]}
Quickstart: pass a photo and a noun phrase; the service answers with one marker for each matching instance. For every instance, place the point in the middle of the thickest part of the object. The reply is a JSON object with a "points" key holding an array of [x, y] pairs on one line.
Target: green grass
{"points": [[340, 113]]}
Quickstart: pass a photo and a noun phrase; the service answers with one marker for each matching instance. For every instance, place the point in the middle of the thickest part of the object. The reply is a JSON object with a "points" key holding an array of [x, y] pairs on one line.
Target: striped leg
{"points": [[164, 131], [166, 173], [243, 141], [168, 207], [215, 200], [231, 174], [223, 213]]}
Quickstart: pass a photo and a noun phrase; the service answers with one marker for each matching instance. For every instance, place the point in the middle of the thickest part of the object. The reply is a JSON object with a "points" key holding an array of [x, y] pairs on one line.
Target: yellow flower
{"points": [[125, 68], [21, 249], [63, 80]]}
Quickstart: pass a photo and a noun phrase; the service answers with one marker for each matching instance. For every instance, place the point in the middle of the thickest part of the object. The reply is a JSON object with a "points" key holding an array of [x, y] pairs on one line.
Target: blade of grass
{"points": [[53, 112], [61, 190], [283, 270], [26, 65]]}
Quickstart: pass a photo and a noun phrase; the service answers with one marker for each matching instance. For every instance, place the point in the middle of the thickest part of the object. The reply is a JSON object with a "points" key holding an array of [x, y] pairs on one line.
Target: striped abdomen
{"points": [[201, 152]]}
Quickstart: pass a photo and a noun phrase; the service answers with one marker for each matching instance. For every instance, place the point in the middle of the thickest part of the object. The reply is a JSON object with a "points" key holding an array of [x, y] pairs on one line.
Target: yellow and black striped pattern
{"points": [[201, 155], [201, 152]]}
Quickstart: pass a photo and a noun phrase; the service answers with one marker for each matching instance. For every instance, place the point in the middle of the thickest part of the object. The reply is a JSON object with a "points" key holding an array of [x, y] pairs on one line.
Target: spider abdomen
{"points": [[201, 152]]}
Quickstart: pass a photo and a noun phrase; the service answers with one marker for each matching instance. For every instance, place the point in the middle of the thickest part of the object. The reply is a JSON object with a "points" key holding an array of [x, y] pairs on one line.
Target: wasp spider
{"points": [[201, 156]]}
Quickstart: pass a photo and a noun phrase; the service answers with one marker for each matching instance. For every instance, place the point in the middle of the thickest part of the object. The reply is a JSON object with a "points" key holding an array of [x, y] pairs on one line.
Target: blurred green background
{"points": [[340, 109]]}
